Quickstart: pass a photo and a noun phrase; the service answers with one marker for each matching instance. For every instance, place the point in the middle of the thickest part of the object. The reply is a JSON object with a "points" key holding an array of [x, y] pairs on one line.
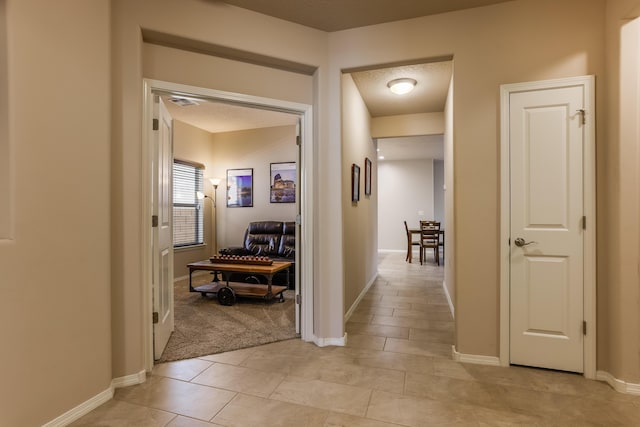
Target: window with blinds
{"points": [[187, 209]]}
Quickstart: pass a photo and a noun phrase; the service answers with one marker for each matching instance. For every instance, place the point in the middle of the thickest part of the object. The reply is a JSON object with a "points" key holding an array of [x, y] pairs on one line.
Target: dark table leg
{"points": [[190, 285]]}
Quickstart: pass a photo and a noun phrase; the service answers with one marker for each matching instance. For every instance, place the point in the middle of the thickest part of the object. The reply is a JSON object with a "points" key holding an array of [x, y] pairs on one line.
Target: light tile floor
{"points": [[396, 370]]}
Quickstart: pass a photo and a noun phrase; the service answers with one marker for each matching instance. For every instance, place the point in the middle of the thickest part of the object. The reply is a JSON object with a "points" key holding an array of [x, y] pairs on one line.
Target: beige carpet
{"points": [[203, 326]]}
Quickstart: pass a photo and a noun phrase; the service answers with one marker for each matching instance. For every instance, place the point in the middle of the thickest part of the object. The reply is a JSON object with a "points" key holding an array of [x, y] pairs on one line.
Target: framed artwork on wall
{"points": [[283, 182], [239, 188], [367, 176], [355, 183]]}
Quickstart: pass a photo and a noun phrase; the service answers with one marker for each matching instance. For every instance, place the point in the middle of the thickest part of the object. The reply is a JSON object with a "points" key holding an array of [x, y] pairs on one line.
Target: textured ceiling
{"points": [[335, 15], [429, 95], [220, 117], [332, 15]]}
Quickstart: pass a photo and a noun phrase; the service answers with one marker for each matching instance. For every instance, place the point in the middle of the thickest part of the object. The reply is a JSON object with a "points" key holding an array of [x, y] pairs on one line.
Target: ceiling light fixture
{"points": [[401, 86]]}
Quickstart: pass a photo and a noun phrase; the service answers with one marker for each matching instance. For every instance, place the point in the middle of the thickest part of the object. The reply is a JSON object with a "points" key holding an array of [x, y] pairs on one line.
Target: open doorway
{"points": [[418, 160], [374, 118], [219, 229]]}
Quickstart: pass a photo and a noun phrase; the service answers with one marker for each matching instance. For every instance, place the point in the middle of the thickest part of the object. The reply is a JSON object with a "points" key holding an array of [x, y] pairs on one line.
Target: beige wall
{"points": [[405, 188], [214, 23], [360, 219], [209, 71], [255, 148], [80, 305], [55, 273], [407, 125], [505, 43], [618, 199], [5, 163]]}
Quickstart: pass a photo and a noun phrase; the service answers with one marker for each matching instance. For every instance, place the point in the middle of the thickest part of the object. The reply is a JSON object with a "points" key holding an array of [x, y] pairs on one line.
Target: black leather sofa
{"points": [[273, 239]]}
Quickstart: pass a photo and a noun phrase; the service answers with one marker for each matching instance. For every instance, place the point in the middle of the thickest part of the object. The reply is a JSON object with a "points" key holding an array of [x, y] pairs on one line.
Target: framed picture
{"points": [[283, 182], [355, 183], [367, 176], [239, 188]]}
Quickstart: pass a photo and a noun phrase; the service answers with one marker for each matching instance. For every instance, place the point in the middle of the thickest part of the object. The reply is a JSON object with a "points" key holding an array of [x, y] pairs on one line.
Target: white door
{"points": [[298, 225], [162, 206], [546, 237]]}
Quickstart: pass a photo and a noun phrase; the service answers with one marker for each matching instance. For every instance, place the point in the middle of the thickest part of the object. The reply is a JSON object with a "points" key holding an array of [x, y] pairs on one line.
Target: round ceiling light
{"points": [[401, 86]]}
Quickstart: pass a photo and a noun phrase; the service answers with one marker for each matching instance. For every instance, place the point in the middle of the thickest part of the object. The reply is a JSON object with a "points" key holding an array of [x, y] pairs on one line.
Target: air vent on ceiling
{"points": [[183, 102]]}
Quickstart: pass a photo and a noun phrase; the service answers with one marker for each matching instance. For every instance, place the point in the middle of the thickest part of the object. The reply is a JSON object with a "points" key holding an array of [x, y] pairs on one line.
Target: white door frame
{"points": [[305, 239], [589, 178]]}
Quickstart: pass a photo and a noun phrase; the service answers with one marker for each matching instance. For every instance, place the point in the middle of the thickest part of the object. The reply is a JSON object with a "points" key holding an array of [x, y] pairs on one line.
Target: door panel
{"points": [[298, 256], [546, 273], [163, 233]]}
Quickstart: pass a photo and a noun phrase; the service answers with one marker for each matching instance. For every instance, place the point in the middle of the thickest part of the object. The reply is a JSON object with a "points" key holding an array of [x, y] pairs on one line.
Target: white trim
{"points": [[82, 409], [618, 385], [326, 342], [392, 251], [589, 208], [474, 358], [306, 240], [129, 380], [306, 203], [99, 399], [347, 316], [452, 308]]}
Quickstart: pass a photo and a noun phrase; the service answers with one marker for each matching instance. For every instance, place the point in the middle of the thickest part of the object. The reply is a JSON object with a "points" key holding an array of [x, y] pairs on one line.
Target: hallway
{"points": [[395, 370]]}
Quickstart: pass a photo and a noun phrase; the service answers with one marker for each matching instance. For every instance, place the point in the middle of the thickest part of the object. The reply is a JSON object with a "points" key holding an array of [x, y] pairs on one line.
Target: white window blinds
{"points": [[187, 209]]}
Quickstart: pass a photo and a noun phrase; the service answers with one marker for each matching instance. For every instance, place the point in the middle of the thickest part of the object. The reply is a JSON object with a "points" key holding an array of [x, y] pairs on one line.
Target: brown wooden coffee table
{"points": [[227, 291]]}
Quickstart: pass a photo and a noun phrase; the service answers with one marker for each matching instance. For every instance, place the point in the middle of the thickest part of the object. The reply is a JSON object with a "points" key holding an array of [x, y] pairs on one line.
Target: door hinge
{"points": [[298, 140], [584, 222], [154, 220], [298, 219], [155, 317], [156, 124], [584, 327], [583, 113], [298, 299]]}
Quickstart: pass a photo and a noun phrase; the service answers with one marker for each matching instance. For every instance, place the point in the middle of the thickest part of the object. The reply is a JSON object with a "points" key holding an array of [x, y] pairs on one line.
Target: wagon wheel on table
{"points": [[226, 296]]}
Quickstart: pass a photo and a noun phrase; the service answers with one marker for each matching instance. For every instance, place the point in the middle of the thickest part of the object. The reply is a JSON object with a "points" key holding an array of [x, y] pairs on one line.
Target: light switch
{"points": [[420, 213]]}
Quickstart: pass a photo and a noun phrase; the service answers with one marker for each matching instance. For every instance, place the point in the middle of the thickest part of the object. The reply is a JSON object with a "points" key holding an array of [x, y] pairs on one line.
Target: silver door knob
{"points": [[521, 242]]}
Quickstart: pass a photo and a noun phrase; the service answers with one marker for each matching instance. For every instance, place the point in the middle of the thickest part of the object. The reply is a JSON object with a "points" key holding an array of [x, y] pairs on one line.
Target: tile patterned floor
{"points": [[395, 371]]}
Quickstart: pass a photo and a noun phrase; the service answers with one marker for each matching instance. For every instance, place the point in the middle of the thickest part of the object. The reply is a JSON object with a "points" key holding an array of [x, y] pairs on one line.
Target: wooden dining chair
{"points": [[436, 224], [410, 243], [430, 239]]}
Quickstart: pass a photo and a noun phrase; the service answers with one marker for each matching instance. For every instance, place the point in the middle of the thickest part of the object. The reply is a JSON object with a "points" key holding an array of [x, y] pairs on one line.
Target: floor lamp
{"points": [[214, 231]]}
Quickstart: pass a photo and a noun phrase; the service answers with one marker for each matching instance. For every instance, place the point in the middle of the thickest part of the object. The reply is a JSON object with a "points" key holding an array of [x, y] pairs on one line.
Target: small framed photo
{"points": [[355, 183], [367, 176], [239, 188], [283, 182]]}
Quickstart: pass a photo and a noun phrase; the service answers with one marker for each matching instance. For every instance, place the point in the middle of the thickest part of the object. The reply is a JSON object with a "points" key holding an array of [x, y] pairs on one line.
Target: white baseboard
{"points": [[618, 385], [326, 342], [82, 409], [474, 358], [128, 380], [400, 251], [347, 316], [449, 300], [97, 400]]}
